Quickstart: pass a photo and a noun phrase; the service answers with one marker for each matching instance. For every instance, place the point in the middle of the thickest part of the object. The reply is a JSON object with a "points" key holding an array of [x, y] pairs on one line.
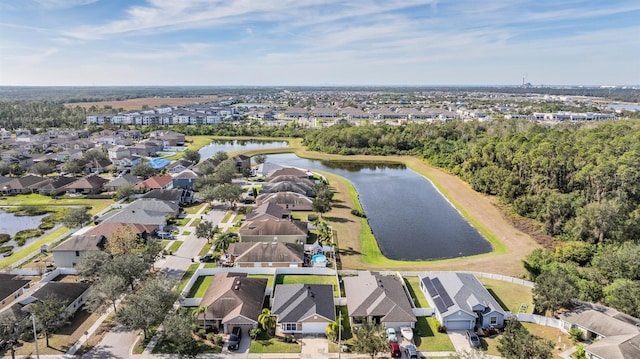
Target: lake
{"points": [[410, 219]]}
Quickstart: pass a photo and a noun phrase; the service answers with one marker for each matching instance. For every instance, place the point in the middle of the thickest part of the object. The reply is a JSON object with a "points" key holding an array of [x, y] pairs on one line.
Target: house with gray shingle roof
{"points": [[11, 287], [303, 308], [72, 294], [125, 179], [376, 298], [461, 302], [270, 229], [268, 210], [288, 200]]}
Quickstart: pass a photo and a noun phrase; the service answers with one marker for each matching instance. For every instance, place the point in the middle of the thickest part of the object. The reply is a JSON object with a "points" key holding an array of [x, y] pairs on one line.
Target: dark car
{"points": [[411, 352], [395, 350], [234, 338], [473, 339], [207, 258]]}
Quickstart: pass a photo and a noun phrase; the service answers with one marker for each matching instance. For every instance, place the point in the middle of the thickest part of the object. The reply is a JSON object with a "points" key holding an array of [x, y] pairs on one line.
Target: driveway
{"points": [[314, 346], [459, 341]]}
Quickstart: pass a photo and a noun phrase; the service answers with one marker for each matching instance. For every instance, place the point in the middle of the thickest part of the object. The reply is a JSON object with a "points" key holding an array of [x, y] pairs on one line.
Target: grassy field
{"points": [[413, 284], [226, 217], [560, 340], [200, 286], [187, 275], [265, 344], [31, 248], [175, 246], [97, 205], [427, 337], [509, 295], [193, 209], [308, 279], [205, 249]]}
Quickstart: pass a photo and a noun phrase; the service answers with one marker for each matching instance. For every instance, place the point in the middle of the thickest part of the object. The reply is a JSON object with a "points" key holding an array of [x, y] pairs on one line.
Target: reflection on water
{"points": [[355, 166], [237, 145]]}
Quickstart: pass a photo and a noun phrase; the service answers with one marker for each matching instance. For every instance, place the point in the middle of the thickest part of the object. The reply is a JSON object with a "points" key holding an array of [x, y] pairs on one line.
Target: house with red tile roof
{"points": [[156, 182]]}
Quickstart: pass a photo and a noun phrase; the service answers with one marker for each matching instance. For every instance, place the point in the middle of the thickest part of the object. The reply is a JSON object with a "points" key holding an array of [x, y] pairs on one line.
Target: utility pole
{"points": [[35, 335]]}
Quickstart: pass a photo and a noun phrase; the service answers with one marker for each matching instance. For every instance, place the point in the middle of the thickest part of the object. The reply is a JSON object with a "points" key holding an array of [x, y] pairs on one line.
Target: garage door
{"points": [[315, 328], [458, 324]]}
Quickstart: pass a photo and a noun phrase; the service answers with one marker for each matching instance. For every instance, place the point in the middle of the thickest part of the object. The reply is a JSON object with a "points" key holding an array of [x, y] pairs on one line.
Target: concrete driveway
{"points": [[314, 346], [459, 341]]}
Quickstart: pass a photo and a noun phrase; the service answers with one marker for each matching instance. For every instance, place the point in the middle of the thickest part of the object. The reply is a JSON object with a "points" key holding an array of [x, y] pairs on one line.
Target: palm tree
{"points": [[267, 322], [202, 309], [334, 328]]}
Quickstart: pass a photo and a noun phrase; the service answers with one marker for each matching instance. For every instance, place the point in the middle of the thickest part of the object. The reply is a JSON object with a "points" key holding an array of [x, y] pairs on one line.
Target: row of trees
{"points": [[582, 181]]}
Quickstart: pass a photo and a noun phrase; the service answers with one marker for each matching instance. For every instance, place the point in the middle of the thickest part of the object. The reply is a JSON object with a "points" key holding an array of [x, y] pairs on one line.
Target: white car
{"points": [[391, 335]]}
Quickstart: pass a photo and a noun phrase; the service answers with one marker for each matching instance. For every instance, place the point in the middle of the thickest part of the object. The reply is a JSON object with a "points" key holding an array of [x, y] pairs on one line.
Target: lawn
{"points": [[31, 248], [195, 222], [308, 279], [427, 338], [226, 217], [265, 344], [346, 330], [193, 209], [175, 246], [200, 286], [205, 249], [33, 199], [186, 233], [413, 284], [509, 295], [490, 345], [187, 275], [63, 339], [182, 221]]}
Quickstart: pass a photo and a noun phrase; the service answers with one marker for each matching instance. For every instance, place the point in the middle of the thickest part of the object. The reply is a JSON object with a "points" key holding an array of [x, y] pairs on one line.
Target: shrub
{"points": [[218, 340], [358, 213], [441, 328], [210, 337], [4, 238], [5, 249], [576, 335], [202, 333], [46, 225], [255, 332], [289, 338]]}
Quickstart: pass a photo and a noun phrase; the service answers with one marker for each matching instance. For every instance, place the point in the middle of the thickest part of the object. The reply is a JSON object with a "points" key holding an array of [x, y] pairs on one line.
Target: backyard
{"points": [[308, 279]]}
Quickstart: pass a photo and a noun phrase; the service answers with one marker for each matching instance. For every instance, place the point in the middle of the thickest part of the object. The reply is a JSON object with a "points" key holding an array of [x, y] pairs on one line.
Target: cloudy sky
{"points": [[319, 42]]}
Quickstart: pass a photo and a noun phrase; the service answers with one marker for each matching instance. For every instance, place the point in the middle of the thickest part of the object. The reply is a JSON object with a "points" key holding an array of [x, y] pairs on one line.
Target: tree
{"points": [[92, 264], [202, 309], [320, 205], [222, 241], [143, 169], [225, 172], [207, 193], [10, 331], [517, 343], [537, 261], [125, 191], [104, 292], [220, 156], [177, 330], [555, 289], [206, 229], [123, 241], [42, 168], [229, 192], [50, 314], [148, 306], [260, 159], [624, 295], [5, 168], [370, 339], [334, 328], [129, 267], [206, 168], [191, 155], [76, 217], [95, 155], [73, 166], [266, 321]]}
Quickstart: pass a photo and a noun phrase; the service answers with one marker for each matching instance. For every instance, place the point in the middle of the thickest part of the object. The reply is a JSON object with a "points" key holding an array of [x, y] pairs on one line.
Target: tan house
{"points": [[274, 230], [266, 254], [233, 300]]}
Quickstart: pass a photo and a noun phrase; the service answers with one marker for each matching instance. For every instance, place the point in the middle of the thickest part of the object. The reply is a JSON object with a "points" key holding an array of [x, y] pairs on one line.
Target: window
{"points": [[77, 253], [290, 326], [494, 320]]}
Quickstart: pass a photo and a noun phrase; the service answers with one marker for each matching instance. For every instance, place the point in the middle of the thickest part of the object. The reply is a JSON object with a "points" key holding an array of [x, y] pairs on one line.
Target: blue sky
{"points": [[319, 42]]}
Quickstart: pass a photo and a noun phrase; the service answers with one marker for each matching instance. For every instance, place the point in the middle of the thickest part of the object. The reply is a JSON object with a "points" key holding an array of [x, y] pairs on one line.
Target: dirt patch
{"points": [[138, 103]]}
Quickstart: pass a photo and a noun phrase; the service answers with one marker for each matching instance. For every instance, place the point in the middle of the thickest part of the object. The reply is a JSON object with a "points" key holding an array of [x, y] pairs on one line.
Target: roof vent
{"points": [[237, 287]]}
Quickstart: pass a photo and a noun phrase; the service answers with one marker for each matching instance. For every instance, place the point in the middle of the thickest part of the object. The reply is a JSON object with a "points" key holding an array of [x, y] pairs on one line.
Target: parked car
{"points": [[411, 352], [473, 339], [234, 338], [391, 335], [207, 258], [395, 350]]}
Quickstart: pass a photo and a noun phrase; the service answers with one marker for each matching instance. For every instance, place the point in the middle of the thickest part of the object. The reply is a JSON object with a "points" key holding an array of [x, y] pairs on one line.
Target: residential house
{"points": [[276, 230], [169, 208], [178, 166], [287, 173], [290, 201], [174, 195], [296, 186], [233, 299], [351, 113], [268, 210], [242, 162], [325, 112], [155, 182], [296, 112], [11, 287], [209, 161], [266, 254], [91, 184], [168, 138], [185, 179], [21, 185], [52, 186], [376, 298], [144, 149], [461, 302], [264, 169], [303, 308], [98, 166], [72, 294], [124, 179], [138, 216], [613, 335], [118, 152], [70, 154]]}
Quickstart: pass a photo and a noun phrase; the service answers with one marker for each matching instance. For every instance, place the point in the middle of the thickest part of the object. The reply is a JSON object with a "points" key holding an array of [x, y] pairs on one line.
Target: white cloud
{"points": [[63, 4]]}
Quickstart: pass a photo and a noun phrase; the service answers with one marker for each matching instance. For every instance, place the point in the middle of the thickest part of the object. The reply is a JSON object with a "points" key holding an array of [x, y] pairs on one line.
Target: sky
{"points": [[319, 42]]}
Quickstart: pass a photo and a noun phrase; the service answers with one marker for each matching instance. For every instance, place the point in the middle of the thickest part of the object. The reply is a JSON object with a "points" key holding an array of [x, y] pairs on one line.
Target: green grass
{"points": [[226, 217], [164, 243], [187, 275], [186, 233], [200, 286], [509, 295], [33, 247], [33, 199], [413, 284], [163, 347], [205, 249], [195, 222], [182, 221], [308, 279], [210, 265], [269, 278], [427, 337], [264, 344], [193, 209], [175, 246]]}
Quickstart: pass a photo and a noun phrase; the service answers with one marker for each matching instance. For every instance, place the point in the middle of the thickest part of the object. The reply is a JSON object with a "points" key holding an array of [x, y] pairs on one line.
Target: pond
{"points": [[12, 224], [237, 145], [409, 217]]}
